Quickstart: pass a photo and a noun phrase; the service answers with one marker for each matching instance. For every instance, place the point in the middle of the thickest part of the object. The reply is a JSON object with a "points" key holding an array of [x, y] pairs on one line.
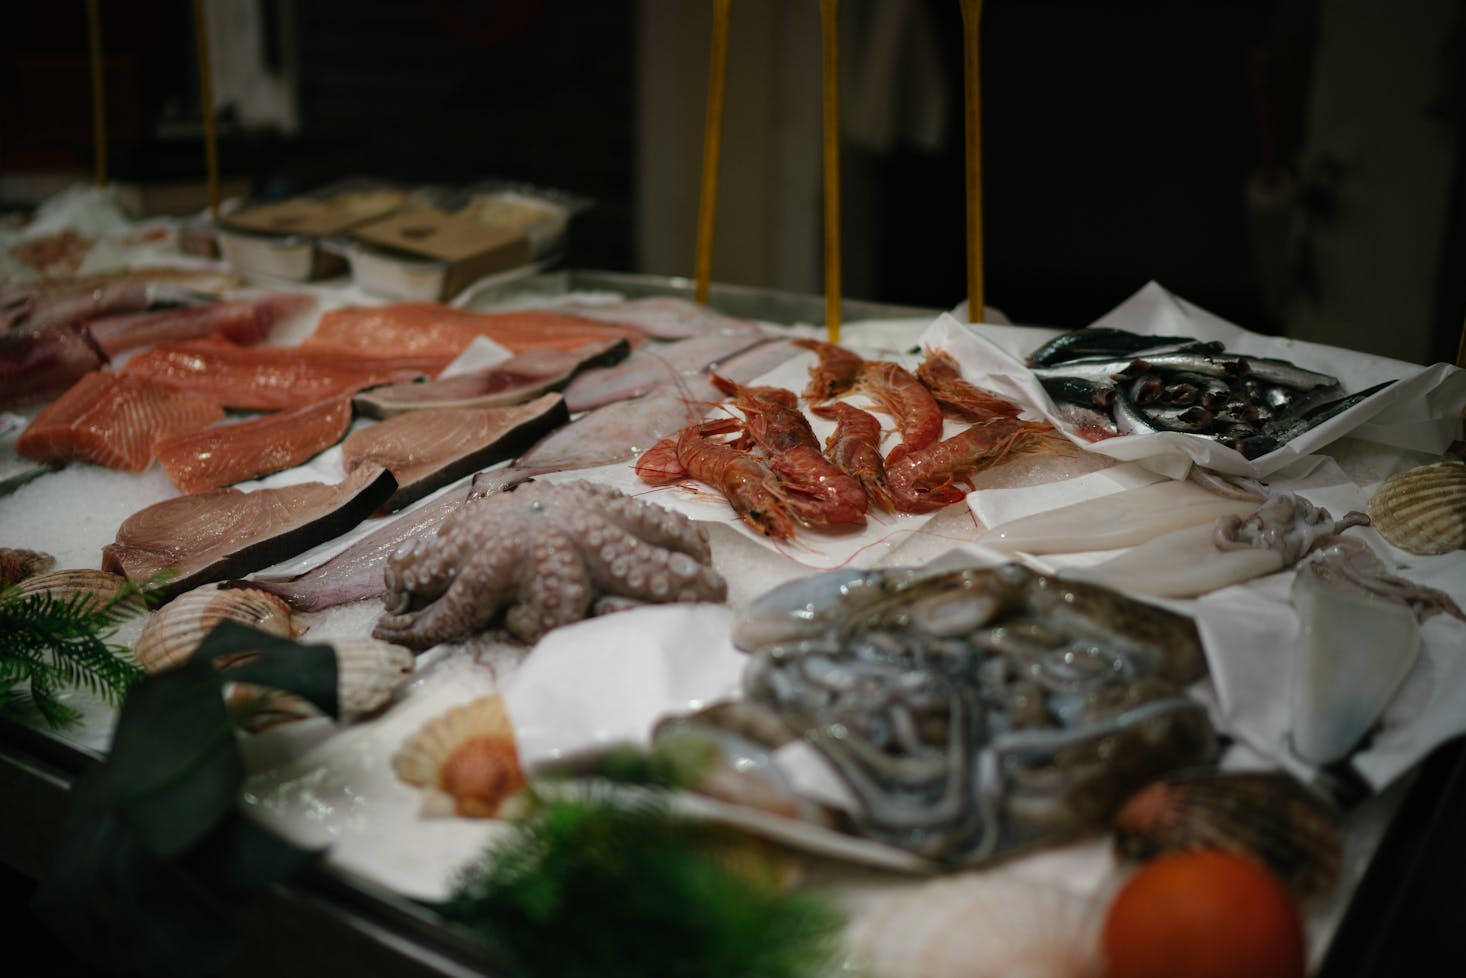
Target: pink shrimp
{"points": [[772, 415], [943, 377], [659, 466], [838, 370], [898, 393], [930, 479], [746, 482], [817, 491], [855, 447]]}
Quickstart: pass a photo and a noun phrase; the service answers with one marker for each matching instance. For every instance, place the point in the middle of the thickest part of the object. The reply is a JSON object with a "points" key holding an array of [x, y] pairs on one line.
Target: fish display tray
{"points": [[331, 920]]}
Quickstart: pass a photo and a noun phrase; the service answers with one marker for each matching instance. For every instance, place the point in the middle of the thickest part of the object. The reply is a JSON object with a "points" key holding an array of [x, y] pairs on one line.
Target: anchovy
{"points": [[1287, 374], [1106, 342], [1076, 390]]}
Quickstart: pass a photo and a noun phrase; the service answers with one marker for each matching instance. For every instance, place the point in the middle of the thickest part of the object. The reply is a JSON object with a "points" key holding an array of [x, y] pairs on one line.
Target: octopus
{"points": [[540, 556]]}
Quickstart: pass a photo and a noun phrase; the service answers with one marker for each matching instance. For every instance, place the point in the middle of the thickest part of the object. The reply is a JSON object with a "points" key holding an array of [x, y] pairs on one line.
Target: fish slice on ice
{"points": [[228, 533], [112, 420], [225, 454]]}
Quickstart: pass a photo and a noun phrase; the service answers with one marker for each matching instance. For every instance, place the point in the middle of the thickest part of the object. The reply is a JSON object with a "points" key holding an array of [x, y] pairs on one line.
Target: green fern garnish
{"points": [[50, 644], [596, 886]]}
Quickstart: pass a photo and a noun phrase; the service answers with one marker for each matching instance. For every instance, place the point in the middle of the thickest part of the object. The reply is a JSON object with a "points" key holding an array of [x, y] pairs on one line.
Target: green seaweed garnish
{"points": [[598, 885], [49, 644]]}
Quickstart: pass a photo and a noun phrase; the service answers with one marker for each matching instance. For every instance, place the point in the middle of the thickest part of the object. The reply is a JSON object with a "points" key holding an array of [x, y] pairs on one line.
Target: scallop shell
{"points": [[1268, 815], [465, 759], [1423, 510], [978, 925], [175, 630], [16, 564], [368, 672], [66, 585]]}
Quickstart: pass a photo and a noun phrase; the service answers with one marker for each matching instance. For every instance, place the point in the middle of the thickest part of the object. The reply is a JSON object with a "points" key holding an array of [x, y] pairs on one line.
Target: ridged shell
{"points": [[466, 760], [175, 630], [1423, 510], [368, 672], [978, 925], [65, 585], [1264, 814], [16, 564]]}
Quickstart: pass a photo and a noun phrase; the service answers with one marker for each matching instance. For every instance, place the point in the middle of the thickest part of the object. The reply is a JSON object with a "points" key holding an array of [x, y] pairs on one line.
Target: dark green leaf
{"points": [[174, 770], [116, 903], [243, 859], [280, 663]]}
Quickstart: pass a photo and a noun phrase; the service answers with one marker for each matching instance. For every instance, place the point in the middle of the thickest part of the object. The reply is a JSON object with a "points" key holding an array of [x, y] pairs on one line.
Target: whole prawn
{"points": [[943, 377], [816, 490], [746, 482], [855, 447], [898, 393], [931, 478], [838, 370]]}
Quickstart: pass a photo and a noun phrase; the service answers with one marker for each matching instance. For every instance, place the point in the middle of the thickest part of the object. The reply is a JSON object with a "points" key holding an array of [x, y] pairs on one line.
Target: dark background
{"points": [[1117, 141]]}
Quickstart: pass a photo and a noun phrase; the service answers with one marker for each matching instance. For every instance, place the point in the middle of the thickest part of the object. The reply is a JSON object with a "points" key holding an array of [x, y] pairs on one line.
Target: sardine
{"points": [[1076, 390], [1110, 343]]}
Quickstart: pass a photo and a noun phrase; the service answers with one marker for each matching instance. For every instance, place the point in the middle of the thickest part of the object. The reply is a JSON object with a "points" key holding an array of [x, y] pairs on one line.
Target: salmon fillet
{"points": [[433, 329], [272, 378], [113, 420], [230, 453]]}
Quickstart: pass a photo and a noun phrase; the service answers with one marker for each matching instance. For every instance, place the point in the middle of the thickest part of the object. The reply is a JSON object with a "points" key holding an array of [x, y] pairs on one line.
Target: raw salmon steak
{"points": [[228, 533], [243, 321], [230, 453], [266, 378], [433, 329], [113, 420], [430, 448]]}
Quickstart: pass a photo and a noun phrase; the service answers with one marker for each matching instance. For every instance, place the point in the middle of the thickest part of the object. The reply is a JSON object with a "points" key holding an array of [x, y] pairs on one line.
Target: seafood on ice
{"points": [[975, 713], [114, 420], [52, 337], [368, 674], [540, 556], [1232, 549], [1148, 384], [173, 632], [1268, 815], [465, 760], [221, 455], [1358, 639], [516, 380], [776, 476], [1423, 510], [435, 330], [18, 563], [428, 449], [1119, 519], [228, 533], [253, 378]]}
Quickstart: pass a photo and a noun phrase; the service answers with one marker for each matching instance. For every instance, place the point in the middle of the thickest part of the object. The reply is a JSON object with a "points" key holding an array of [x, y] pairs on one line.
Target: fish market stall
{"points": [[964, 622]]}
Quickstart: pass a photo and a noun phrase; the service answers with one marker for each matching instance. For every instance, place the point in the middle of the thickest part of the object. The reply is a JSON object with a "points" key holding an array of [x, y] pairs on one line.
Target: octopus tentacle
{"points": [[479, 591], [542, 556]]}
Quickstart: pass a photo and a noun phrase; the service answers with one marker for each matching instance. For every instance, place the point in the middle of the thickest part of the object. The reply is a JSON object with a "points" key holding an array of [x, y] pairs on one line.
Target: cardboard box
{"points": [[283, 239], [422, 249]]}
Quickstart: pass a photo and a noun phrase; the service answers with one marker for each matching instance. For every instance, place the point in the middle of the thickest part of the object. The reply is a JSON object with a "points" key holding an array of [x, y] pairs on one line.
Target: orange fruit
{"points": [[1204, 914]]}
